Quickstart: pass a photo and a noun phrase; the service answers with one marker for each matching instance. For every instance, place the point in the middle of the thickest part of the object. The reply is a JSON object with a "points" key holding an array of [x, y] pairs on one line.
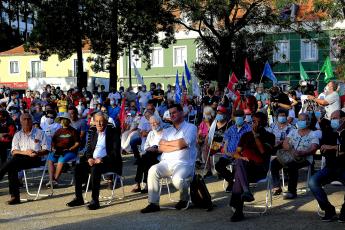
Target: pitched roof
{"points": [[19, 50]]}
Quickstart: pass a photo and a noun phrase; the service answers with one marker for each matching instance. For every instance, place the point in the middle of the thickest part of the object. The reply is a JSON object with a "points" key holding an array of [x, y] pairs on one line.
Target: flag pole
{"points": [[261, 78]]}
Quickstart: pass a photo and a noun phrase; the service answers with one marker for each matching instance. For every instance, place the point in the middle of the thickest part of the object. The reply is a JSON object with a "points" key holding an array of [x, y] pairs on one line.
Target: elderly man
{"points": [[178, 147], [102, 155], [331, 101], [28, 145]]}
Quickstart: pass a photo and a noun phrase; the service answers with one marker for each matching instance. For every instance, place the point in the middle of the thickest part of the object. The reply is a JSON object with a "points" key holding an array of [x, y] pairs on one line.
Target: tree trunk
{"points": [[114, 47], [26, 10], [18, 18], [81, 78], [224, 67]]}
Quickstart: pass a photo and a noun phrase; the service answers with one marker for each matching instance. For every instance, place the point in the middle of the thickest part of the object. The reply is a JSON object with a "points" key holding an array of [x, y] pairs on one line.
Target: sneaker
{"points": [[289, 196], [237, 216], [248, 197], [276, 191], [94, 205], [14, 200], [329, 215], [151, 208], [54, 182], [136, 188], [75, 202], [182, 204]]}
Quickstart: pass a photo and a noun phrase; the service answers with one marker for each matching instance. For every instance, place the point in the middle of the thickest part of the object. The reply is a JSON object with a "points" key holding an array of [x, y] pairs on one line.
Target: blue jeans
{"points": [[321, 178]]}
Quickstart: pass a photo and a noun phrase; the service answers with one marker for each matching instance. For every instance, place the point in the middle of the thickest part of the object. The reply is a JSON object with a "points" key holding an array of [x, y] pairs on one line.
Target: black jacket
{"points": [[113, 146]]}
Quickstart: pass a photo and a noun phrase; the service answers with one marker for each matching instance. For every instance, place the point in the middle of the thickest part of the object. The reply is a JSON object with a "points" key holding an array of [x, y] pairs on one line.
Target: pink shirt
{"points": [[203, 129]]}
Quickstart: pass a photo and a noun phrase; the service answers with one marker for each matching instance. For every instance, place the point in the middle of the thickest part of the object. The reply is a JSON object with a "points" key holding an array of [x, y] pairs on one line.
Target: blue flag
{"points": [[269, 73], [186, 70], [137, 104], [177, 90], [184, 86]]}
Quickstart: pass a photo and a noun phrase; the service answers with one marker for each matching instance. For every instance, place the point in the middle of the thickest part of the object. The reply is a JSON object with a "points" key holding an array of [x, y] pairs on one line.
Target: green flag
{"points": [[327, 69], [303, 74]]}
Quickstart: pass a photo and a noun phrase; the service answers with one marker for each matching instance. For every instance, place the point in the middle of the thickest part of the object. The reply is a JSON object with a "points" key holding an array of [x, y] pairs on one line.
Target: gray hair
{"points": [[101, 114], [156, 118], [209, 110], [28, 115]]}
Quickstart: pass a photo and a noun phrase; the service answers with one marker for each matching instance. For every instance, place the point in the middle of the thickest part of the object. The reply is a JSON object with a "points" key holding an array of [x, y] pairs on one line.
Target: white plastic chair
{"points": [[308, 177], [268, 197], [115, 179], [37, 194]]}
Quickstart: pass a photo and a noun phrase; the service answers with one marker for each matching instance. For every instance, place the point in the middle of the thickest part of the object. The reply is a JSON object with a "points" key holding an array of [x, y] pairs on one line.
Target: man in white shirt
{"points": [[28, 145], [144, 96], [102, 155], [178, 147]]}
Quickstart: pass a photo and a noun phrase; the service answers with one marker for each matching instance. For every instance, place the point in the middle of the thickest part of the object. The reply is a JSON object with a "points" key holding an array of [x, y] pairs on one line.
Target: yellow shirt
{"points": [[62, 106]]}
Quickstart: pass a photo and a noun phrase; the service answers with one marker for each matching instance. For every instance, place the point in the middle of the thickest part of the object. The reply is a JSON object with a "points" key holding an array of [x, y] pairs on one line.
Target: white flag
{"points": [[211, 132], [195, 87], [139, 77]]}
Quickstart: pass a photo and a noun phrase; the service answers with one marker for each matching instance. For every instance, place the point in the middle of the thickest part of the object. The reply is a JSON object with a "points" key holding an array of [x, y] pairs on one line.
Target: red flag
{"points": [[232, 80], [247, 71], [122, 115]]}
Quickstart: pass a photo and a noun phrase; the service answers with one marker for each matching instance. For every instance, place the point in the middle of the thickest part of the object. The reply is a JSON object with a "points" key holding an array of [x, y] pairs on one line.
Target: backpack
{"points": [[200, 196]]}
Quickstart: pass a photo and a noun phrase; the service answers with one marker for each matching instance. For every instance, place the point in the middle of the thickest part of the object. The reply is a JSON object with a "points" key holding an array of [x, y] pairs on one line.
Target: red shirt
{"points": [[27, 100]]}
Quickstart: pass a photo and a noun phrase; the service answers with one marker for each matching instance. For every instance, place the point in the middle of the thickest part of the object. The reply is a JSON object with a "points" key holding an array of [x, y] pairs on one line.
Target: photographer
{"points": [[331, 102], [332, 148], [279, 100]]}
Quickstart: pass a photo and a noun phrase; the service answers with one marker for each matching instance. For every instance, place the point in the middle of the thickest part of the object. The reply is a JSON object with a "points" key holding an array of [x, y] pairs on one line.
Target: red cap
{"points": [[222, 109]]}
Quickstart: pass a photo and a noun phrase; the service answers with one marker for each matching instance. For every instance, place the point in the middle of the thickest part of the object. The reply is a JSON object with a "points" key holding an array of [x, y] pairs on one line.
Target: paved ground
{"points": [[51, 213]]}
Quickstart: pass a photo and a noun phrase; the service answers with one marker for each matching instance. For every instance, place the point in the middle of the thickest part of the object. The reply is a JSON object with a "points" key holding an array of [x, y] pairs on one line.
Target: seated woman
{"points": [[65, 144], [151, 154], [301, 143], [252, 162], [131, 130], [208, 116]]}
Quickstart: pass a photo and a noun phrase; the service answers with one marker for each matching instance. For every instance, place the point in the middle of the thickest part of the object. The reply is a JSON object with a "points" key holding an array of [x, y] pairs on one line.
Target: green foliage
{"points": [[9, 38]]}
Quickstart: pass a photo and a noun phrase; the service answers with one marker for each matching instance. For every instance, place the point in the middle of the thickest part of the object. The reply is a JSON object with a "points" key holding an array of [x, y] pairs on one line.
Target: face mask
{"points": [[43, 108], [248, 118], [37, 96], [282, 119], [158, 87], [335, 123], [207, 117], [317, 114], [157, 128], [27, 94], [259, 91], [220, 117], [1, 90], [48, 90], [95, 97], [326, 89], [239, 121], [7, 91], [301, 124], [112, 102], [50, 120], [133, 113]]}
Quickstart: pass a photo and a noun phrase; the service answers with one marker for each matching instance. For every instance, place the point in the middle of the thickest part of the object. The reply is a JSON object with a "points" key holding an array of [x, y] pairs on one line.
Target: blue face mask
{"points": [[239, 121], [282, 119], [133, 113], [318, 114], [335, 123], [220, 117], [301, 124]]}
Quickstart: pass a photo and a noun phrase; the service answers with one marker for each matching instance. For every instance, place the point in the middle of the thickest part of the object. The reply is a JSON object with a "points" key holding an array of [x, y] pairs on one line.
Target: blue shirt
{"points": [[233, 136], [114, 112]]}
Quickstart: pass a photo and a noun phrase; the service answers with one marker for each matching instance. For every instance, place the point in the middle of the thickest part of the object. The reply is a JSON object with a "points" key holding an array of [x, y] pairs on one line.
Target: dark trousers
{"points": [[144, 164], [245, 172], [81, 175], [321, 178], [13, 166], [4, 147], [292, 169], [223, 171], [134, 146]]}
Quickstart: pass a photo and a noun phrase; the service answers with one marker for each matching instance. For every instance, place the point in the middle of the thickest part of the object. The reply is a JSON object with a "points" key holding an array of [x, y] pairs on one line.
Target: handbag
{"points": [[286, 156]]}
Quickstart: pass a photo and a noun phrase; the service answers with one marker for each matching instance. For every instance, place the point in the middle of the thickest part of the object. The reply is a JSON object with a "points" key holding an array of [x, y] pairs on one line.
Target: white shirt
{"points": [[100, 150], [36, 140], [153, 138], [186, 131], [116, 96]]}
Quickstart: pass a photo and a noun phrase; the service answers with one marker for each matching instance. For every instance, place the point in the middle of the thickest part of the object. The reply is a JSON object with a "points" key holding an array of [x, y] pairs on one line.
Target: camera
{"points": [[242, 87], [308, 87]]}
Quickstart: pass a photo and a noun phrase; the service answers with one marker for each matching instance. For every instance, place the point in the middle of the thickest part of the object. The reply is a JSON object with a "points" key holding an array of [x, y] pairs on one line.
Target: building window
{"points": [[180, 55], [334, 49], [157, 57], [36, 69], [309, 50], [136, 60], [14, 67], [282, 51]]}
